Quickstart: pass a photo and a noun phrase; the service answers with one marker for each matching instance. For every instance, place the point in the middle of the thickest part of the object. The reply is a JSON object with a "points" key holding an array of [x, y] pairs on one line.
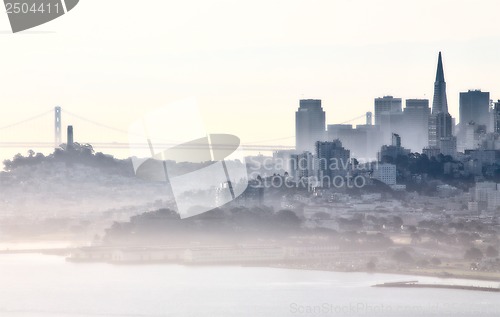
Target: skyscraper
{"points": [[441, 123], [332, 160], [393, 151], [474, 106], [496, 117], [309, 125], [475, 118], [356, 140], [302, 165], [386, 105], [388, 116], [440, 102], [416, 121]]}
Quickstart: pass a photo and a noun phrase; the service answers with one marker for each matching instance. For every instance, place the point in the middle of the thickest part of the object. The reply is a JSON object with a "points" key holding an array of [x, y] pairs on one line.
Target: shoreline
{"points": [[416, 284], [443, 274]]}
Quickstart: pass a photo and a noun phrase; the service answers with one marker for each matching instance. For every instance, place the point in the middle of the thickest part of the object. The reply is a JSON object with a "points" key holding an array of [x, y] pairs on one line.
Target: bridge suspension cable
{"points": [[353, 119], [102, 125], [253, 145], [271, 140], [27, 120]]}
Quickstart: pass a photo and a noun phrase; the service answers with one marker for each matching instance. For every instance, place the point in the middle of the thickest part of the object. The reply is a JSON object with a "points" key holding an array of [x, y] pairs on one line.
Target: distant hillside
{"points": [[72, 183]]}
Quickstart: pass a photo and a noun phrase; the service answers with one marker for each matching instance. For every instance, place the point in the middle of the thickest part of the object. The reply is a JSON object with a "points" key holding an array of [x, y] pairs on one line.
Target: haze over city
{"points": [[250, 60], [250, 158]]}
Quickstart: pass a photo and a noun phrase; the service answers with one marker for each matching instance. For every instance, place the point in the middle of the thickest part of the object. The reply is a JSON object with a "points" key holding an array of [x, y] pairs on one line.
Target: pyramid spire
{"points": [[440, 102], [440, 71]]}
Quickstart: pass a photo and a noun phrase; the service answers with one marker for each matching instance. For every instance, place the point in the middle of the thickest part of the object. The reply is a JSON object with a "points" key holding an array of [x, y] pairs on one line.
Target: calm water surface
{"points": [[40, 285]]}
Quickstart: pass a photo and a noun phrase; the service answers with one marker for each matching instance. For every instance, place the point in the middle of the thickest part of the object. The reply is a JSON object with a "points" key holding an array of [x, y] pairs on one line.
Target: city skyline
{"points": [[339, 54], [389, 117], [250, 158]]}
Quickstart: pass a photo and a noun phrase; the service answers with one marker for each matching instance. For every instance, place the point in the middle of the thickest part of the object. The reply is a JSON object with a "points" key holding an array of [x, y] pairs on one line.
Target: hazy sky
{"points": [[247, 62]]}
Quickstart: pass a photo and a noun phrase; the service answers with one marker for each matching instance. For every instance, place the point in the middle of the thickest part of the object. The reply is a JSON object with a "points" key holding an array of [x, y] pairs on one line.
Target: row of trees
{"points": [[165, 226], [475, 254], [78, 154]]}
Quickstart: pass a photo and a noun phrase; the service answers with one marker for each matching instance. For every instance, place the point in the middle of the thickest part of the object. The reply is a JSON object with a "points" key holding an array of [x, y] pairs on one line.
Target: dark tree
{"points": [[402, 256], [473, 254], [491, 252]]}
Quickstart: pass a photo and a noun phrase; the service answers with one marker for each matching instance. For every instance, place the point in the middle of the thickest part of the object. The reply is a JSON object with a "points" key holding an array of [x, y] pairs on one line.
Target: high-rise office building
{"points": [[448, 145], [302, 166], [385, 106], [364, 141], [416, 122], [475, 118], [470, 136], [332, 160], [474, 106], [393, 151], [373, 141], [396, 140], [440, 122], [309, 125], [440, 101], [385, 173], [356, 140], [496, 117], [388, 116]]}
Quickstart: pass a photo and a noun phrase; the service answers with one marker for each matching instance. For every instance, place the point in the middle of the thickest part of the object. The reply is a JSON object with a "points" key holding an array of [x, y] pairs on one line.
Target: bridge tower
{"points": [[57, 122]]}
